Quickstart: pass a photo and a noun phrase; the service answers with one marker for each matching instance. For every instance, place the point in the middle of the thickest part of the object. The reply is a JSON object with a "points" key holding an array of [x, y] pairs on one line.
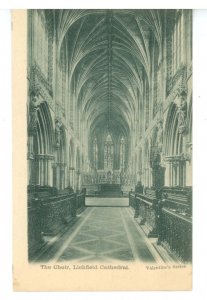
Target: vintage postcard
{"points": [[102, 150]]}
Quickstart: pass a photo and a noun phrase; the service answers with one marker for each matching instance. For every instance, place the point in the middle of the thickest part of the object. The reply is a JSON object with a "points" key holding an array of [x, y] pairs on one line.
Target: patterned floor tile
{"points": [[105, 237]]}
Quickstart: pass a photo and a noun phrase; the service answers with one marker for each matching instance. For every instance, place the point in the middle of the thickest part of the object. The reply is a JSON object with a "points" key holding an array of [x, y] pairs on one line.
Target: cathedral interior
{"points": [[109, 135]]}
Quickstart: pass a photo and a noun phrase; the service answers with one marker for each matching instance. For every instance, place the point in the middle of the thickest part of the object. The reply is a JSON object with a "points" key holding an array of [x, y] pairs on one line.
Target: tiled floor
{"points": [[102, 234]]}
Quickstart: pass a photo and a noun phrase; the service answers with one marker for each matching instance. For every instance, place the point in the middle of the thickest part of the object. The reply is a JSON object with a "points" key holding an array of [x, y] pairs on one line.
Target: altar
{"points": [[109, 189]]}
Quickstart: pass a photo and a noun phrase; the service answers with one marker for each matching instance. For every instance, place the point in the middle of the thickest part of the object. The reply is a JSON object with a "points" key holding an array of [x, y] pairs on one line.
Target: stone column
{"points": [[57, 146], [189, 173], [176, 174], [42, 170], [72, 179], [168, 165], [188, 164], [32, 128], [50, 171], [58, 175], [46, 170], [39, 170], [168, 174], [62, 175], [147, 177], [78, 179], [54, 176], [30, 158]]}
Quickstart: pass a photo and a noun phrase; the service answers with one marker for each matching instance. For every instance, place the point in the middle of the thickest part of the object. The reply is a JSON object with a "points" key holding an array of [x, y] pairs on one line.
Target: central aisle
{"points": [[103, 234]]}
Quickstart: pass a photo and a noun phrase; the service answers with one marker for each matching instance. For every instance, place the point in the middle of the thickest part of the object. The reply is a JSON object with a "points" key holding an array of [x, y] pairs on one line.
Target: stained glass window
{"points": [[108, 153]]}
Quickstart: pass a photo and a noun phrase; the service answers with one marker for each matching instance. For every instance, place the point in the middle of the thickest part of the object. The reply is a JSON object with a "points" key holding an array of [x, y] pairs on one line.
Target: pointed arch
{"points": [[41, 144]]}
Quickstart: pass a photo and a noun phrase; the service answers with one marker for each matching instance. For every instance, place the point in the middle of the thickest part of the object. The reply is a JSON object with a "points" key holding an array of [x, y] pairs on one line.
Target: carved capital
{"points": [[34, 92], [175, 163], [44, 156], [186, 157], [182, 92], [30, 156]]}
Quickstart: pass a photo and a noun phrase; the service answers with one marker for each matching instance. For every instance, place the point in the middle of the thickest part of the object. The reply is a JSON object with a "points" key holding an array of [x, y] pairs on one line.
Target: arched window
{"points": [[122, 153], [95, 154], [108, 153]]}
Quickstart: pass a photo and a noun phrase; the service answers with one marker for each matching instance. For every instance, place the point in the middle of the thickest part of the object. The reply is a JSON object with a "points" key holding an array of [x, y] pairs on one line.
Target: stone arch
{"points": [[173, 137], [41, 140], [174, 145], [171, 130]]}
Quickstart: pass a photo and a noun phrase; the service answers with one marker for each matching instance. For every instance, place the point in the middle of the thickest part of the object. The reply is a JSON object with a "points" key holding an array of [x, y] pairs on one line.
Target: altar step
{"points": [[107, 201]]}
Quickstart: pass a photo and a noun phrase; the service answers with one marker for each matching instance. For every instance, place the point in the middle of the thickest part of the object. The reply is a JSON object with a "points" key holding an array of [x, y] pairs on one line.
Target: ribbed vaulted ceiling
{"points": [[108, 56]]}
